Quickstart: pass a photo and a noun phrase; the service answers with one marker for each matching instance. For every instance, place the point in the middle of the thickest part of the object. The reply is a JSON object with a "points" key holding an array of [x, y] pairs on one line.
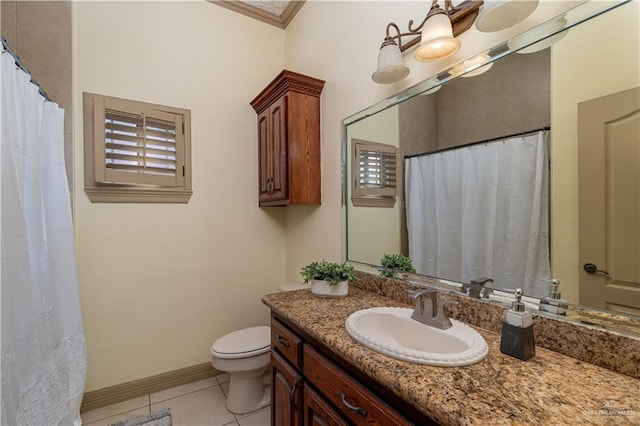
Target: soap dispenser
{"points": [[552, 302], [517, 331]]}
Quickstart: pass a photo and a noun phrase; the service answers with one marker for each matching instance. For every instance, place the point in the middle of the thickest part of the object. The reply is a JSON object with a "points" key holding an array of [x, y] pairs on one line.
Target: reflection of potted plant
{"points": [[328, 279], [392, 263]]}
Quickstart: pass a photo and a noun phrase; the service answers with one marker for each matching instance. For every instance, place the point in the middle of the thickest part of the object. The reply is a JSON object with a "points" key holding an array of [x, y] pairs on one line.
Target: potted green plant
{"points": [[328, 279], [392, 263]]}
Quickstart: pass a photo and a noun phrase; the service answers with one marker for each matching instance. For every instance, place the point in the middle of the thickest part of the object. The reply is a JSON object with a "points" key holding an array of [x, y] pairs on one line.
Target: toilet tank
{"points": [[293, 286]]}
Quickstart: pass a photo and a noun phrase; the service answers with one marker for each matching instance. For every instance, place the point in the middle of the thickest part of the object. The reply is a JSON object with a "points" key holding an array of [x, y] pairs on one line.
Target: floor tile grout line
{"points": [[235, 421], [115, 414], [149, 404], [183, 394]]}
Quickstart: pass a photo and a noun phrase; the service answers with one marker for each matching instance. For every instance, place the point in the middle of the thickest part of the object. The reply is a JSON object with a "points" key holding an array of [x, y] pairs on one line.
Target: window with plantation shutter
{"points": [[374, 174], [135, 151]]}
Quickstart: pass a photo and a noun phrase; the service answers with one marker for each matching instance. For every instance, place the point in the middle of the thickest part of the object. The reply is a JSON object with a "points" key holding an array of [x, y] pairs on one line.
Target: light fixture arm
{"points": [[435, 9], [462, 18]]}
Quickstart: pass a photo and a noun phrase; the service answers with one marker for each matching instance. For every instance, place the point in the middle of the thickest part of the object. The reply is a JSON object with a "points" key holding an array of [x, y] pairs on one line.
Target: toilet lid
{"points": [[243, 343]]}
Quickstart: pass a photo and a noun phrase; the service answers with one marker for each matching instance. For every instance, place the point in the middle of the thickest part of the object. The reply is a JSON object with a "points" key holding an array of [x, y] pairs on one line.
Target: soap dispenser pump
{"points": [[553, 302], [517, 331]]}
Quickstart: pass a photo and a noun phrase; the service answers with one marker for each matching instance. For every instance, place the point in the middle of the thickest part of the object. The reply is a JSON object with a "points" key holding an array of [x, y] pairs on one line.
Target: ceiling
{"points": [[275, 12]]}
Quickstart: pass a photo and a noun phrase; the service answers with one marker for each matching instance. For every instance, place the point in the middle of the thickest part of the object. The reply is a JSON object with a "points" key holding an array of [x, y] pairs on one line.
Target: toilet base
{"points": [[247, 394]]}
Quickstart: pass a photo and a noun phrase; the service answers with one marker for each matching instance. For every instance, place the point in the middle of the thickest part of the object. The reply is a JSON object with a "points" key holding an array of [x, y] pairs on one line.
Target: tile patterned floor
{"points": [[195, 404]]}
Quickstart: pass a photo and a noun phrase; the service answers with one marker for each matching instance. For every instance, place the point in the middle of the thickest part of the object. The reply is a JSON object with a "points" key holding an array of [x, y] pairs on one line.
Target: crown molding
{"points": [[280, 21]]}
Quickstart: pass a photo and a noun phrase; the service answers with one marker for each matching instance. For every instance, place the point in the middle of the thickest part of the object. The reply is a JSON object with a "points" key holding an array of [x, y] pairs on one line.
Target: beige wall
{"points": [[374, 231], [339, 42], [614, 41], [161, 282]]}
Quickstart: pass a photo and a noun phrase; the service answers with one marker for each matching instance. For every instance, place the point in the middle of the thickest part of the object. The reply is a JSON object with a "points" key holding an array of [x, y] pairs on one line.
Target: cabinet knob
{"points": [[270, 185]]}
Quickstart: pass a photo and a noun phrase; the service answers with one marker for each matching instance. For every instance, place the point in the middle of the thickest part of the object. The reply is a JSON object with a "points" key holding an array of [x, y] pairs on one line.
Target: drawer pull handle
{"points": [[282, 341], [358, 410]]}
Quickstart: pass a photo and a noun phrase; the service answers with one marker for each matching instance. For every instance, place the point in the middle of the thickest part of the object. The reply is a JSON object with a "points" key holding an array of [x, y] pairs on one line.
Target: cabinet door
{"points": [[280, 170], [264, 157], [286, 393], [317, 412]]}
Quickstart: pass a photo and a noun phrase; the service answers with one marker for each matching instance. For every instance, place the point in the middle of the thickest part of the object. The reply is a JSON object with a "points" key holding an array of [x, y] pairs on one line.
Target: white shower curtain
{"points": [[482, 211], [43, 346]]}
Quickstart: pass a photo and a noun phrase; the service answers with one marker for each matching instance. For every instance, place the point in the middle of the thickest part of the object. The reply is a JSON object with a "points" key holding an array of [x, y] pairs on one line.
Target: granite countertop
{"points": [[549, 389]]}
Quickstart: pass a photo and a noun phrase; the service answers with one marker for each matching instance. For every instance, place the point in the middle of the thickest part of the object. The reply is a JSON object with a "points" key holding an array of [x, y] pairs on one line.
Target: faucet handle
{"points": [[441, 318], [486, 291]]}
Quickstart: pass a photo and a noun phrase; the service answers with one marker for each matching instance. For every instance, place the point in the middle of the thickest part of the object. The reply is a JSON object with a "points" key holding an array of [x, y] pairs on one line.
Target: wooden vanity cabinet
{"points": [[318, 412], [286, 376], [356, 402], [286, 393], [289, 140], [309, 389]]}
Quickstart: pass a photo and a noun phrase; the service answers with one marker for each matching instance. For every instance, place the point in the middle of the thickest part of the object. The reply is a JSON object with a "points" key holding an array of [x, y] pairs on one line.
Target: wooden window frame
{"points": [[104, 184], [372, 196]]}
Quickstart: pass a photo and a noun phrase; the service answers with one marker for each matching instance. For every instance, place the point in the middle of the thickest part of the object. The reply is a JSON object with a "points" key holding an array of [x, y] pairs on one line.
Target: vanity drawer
{"points": [[286, 342], [354, 400]]}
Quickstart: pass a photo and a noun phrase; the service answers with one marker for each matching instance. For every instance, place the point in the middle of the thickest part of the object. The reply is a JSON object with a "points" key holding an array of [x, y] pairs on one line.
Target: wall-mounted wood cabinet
{"points": [[289, 140]]}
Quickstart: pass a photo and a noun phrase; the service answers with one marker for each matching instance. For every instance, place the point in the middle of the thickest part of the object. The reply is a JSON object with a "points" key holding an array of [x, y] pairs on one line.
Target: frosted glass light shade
{"points": [[390, 67], [497, 15], [479, 70], [437, 40], [471, 67], [519, 42], [435, 86]]}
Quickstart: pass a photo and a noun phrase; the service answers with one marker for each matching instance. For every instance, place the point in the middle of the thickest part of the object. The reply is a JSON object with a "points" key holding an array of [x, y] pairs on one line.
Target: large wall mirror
{"points": [[532, 167]]}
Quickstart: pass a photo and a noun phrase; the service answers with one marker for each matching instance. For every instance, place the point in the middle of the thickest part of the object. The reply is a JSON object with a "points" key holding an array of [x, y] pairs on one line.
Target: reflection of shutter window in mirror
{"points": [[374, 174]]}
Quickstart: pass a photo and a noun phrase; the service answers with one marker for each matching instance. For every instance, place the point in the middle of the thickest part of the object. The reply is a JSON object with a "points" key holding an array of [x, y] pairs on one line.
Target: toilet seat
{"points": [[243, 343]]}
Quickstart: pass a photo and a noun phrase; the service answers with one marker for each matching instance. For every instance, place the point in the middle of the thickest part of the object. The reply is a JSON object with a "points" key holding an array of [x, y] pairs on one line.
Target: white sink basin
{"points": [[391, 331]]}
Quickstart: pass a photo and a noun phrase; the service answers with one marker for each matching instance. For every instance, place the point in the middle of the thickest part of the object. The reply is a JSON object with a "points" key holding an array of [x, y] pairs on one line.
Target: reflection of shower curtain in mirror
{"points": [[482, 211], [44, 360]]}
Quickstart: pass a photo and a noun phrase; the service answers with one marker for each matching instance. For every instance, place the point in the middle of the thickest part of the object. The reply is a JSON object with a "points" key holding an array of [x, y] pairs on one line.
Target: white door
{"points": [[609, 201]]}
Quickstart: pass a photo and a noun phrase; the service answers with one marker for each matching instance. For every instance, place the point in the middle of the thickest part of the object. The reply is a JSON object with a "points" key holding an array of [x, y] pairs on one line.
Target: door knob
{"points": [[590, 268]]}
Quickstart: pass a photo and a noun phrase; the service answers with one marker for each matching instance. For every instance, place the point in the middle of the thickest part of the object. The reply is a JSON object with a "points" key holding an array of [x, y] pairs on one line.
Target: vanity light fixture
{"points": [[497, 15], [435, 36]]}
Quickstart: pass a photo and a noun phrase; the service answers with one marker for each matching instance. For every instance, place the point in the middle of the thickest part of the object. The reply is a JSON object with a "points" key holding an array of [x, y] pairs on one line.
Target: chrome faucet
{"points": [[429, 310]]}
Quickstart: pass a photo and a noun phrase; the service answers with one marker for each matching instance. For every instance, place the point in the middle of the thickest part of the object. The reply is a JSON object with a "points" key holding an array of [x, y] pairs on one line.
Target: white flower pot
{"points": [[322, 288]]}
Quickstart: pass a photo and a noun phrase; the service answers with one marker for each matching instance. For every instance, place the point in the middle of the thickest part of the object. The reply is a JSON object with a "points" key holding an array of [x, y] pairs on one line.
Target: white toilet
{"points": [[245, 355]]}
